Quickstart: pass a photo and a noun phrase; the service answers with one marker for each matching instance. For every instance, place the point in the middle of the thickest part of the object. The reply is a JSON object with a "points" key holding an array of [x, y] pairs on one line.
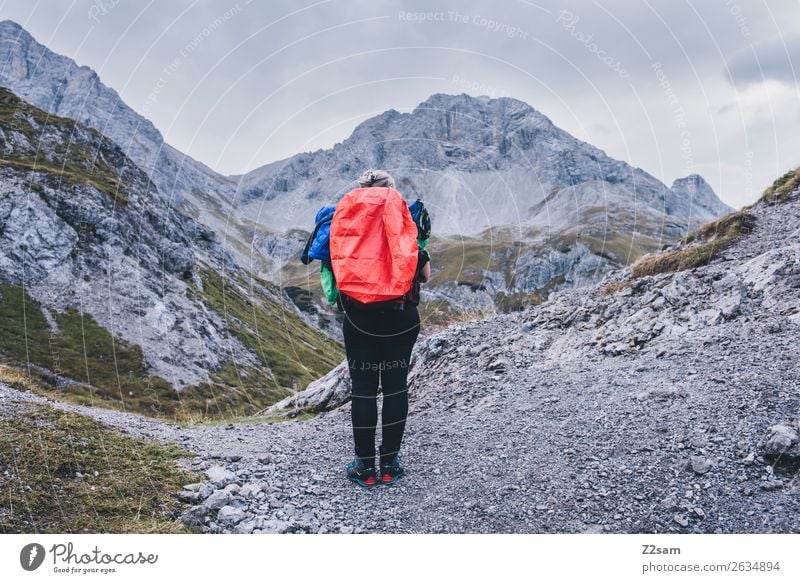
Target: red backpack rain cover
{"points": [[373, 245]]}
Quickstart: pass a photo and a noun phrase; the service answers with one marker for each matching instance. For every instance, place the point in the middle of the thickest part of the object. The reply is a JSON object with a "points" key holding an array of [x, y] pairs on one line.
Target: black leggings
{"points": [[378, 346]]}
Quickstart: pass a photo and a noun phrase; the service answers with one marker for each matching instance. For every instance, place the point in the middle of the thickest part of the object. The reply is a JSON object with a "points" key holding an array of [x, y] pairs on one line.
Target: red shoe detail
{"points": [[371, 481], [387, 478]]}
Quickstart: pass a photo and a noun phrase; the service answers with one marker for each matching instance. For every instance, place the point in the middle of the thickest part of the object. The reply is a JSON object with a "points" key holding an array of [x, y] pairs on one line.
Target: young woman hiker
{"points": [[373, 262]]}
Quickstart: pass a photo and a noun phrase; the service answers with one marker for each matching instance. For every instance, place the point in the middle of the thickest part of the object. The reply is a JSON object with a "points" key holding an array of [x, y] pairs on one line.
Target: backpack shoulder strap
{"points": [[304, 255]]}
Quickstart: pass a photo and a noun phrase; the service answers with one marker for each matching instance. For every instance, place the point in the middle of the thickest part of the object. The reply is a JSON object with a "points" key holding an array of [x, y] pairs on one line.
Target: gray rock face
{"points": [[700, 197], [283, 247], [467, 297], [577, 265], [96, 242], [329, 392], [56, 84], [81, 228]]}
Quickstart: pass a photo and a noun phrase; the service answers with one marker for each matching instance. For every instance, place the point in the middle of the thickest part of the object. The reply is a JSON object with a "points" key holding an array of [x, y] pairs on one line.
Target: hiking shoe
{"points": [[361, 474], [391, 471]]}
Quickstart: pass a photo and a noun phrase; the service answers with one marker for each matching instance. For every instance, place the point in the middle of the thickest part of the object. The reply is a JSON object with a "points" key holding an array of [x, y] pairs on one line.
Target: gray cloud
{"points": [[772, 59]]}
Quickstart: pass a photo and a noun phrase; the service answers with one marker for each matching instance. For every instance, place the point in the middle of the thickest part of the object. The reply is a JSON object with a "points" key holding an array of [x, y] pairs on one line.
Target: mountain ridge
{"points": [[57, 84], [507, 132], [19, 47], [480, 164]]}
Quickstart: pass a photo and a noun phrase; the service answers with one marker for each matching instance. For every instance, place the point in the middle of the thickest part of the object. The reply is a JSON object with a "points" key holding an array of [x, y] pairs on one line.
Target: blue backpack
{"points": [[318, 244], [423, 221]]}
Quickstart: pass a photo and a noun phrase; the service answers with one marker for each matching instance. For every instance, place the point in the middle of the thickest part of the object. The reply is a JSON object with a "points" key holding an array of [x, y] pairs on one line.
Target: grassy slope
{"points": [[43, 449], [699, 247], [105, 371], [782, 187], [295, 353]]}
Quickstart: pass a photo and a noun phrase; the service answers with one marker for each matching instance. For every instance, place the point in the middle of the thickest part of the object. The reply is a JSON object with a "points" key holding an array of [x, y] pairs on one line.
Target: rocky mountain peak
{"points": [[692, 182], [8, 27], [694, 189], [465, 100], [481, 163], [58, 85]]}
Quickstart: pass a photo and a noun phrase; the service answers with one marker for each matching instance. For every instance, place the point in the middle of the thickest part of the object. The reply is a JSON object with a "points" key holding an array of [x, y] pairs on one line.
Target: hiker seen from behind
{"points": [[371, 246]]}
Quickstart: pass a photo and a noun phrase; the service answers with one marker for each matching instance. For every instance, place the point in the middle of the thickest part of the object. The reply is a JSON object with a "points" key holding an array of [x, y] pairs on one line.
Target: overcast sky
{"points": [[672, 86]]}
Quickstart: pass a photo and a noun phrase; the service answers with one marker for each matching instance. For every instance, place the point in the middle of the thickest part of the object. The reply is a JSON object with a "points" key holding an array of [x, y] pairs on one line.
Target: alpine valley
{"points": [[188, 282]]}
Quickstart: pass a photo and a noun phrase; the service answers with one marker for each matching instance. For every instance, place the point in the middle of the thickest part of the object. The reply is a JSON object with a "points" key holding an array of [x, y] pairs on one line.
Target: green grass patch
{"points": [[619, 248], [780, 190], [70, 173], [466, 259], [43, 449], [11, 106], [295, 352], [83, 363], [730, 227], [232, 391], [296, 276]]}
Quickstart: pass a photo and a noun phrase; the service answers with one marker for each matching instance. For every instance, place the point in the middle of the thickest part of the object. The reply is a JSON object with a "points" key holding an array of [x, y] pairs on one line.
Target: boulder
{"points": [[329, 392], [229, 515], [217, 500], [783, 439], [219, 476]]}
